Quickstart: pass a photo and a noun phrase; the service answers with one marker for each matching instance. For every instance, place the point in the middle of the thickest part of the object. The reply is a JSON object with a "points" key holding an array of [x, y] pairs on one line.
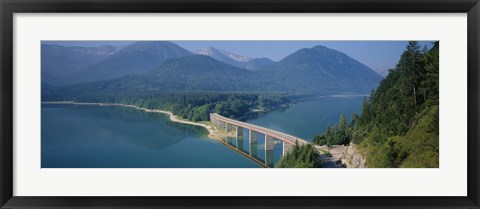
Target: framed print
{"points": [[265, 104]]}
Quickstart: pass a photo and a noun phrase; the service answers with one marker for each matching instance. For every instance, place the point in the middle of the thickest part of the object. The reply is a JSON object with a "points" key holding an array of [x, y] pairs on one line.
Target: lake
{"points": [[88, 136], [310, 117]]}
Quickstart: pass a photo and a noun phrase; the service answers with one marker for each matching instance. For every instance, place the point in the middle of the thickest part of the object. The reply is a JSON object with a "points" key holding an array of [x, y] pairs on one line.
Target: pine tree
{"points": [[343, 122]]}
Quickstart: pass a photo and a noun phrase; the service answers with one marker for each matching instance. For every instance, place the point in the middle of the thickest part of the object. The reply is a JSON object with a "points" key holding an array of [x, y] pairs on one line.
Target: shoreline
{"points": [[213, 131]]}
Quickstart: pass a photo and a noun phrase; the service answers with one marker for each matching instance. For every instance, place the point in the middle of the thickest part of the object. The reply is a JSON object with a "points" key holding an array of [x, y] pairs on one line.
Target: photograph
{"points": [[239, 104]]}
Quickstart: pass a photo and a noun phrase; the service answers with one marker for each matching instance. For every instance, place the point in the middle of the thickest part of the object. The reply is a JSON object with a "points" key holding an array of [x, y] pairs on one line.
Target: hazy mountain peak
{"points": [[137, 58], [235, 59], [320, 47], [320, 69], [152, 45], [60, 62], [222, 55]]}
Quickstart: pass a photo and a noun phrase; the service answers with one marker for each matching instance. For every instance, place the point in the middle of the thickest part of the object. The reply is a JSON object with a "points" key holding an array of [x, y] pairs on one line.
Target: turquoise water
{"points": [[310, 117], [82, 136], [87, 136]]}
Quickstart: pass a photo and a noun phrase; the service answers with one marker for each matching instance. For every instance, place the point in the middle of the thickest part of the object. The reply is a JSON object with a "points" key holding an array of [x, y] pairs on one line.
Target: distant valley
{"points": [[161, 66], [151, 104]]}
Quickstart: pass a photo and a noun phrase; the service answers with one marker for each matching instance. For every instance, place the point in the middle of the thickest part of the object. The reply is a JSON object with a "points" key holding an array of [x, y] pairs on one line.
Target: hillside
{"points": [[164, 66], [140, 57], [190, 73], [258, 63], [236, 60], [59, 62], [323, 70], [399, 124]]}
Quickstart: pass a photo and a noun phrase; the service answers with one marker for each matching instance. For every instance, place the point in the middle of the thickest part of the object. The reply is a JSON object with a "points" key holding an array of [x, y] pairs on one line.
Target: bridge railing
{"points": [[271, 132]]}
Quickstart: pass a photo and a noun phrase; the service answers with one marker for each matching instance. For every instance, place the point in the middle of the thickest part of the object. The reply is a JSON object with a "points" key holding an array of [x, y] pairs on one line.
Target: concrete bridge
{"points": [[230, 125]]}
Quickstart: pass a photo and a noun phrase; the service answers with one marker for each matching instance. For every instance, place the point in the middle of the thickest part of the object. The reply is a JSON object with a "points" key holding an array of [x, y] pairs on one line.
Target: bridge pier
{"points": [[228, 127], [268, 142], [286, 148], [239, 131], [252, 137], [224, 125], [252, 143], [239, 143], [212, 119], [269, 150]]}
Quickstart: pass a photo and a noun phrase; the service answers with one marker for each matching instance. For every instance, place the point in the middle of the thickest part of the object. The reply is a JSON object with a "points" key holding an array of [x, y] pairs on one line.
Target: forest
{"points": [[399, 124], [194, 106], [197, 106], [299, 157]]}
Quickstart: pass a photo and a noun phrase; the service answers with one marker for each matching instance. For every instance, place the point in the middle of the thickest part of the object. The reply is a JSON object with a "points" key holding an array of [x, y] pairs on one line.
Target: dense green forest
{"points": [[194, 106], [398, 127], [340, 134], [299, 157], [399, 124]]}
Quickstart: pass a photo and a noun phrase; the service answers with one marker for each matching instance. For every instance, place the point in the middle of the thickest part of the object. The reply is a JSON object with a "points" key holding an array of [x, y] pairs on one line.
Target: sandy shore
{"points": [[213, 131]]}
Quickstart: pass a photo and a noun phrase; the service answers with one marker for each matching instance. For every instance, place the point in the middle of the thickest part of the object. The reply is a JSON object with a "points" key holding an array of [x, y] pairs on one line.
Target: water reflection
{"points": [[82, 136], [307, 118], [256, 148]]}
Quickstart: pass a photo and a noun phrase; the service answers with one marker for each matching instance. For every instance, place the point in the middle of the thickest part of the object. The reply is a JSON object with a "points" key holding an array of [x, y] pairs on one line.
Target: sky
{"points": [[378, 55]]}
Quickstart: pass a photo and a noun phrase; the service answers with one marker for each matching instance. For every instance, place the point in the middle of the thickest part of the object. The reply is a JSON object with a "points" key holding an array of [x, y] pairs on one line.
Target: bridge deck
{"points": [[276, 134]]}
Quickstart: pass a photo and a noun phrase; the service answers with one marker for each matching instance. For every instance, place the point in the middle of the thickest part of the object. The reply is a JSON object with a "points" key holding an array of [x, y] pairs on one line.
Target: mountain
{"points": [[137, 58], [318, 70], [258, 63], [322, 70], [225, 56], [190, 73], [235, 59], [59, 62]]}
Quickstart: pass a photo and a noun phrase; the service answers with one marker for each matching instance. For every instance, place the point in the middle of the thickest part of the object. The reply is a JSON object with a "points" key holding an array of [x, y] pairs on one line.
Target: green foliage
{"points": [[327, 153], [299, 157], [399, 122], [338, 135], [399, 125], [194, 106], [423, 151], [320, 139]]}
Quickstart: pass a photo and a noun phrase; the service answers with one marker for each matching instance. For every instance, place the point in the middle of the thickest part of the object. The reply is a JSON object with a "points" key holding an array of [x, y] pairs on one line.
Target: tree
{"points": [[329, 136], [410, 65], [354, 120], [398, 126], [320, 140], [300, 157], [343, 122]]}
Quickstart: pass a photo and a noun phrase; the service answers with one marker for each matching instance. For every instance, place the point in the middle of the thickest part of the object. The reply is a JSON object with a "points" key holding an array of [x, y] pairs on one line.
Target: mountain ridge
{"points": [[317, 70], [181, 74], [59, 62], [137, 58], [323, 69], [235, 59]]}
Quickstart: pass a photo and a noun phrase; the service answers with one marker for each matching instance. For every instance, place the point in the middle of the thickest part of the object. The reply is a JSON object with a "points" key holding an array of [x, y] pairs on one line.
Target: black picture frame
{"points": [[9, 7]]}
